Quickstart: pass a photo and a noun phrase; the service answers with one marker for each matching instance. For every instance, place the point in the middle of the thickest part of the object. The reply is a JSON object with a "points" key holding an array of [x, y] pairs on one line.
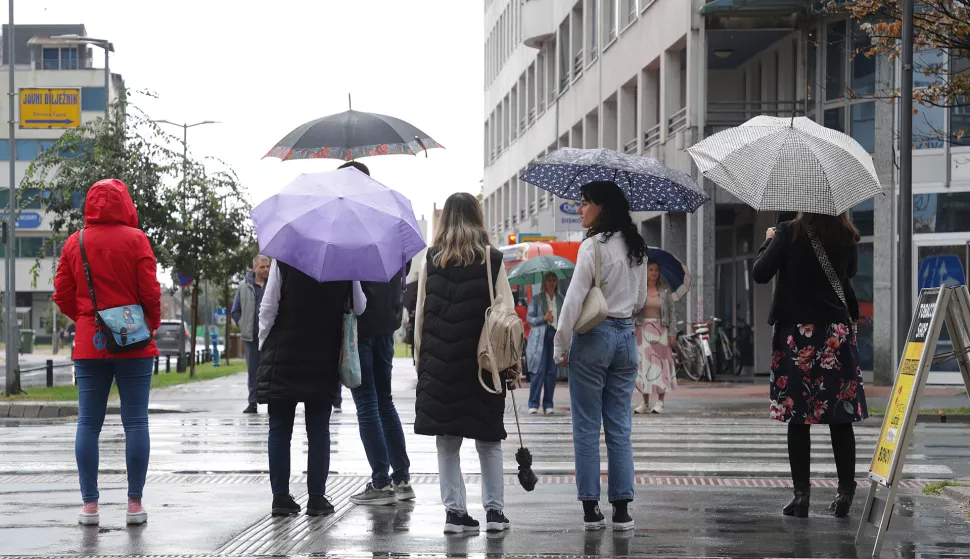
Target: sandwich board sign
{"points": [[937, 306]]}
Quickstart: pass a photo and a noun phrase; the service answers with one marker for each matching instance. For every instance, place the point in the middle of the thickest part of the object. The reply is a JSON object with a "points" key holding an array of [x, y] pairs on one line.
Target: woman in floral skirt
{"points": [[656, 328], [815, 376]]}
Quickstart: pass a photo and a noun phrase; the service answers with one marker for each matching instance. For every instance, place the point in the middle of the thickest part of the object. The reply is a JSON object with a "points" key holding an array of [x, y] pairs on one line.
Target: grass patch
{"points": [[937, 488], [938, 411], [161, 380], [402, 350]]}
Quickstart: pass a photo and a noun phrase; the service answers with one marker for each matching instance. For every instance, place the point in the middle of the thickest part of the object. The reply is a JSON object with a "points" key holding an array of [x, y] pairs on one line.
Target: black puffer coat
{"points": [[299, 359], [450, 400]]}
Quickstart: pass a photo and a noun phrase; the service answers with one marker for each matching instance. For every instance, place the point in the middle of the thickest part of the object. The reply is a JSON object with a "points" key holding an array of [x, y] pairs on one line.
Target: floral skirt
{"points": [[815, 375], [655, 372]]}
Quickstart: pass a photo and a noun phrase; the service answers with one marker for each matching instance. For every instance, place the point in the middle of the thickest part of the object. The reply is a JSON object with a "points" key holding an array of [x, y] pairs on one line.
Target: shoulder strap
{"points": [[488, 268], [87, 269], [823, 260], [598, 261]]}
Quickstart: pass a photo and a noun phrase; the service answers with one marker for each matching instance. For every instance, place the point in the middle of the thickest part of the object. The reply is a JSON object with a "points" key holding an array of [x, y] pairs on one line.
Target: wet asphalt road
{"points": [[706, 487]]}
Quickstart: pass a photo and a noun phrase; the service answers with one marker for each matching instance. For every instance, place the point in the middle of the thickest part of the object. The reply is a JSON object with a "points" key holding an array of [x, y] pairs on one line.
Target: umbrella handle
{"points": [[420, 143]]}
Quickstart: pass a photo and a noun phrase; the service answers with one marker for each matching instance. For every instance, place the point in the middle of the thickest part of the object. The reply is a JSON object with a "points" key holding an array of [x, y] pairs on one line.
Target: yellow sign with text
{"points": [[50, 108], [892, 423]]}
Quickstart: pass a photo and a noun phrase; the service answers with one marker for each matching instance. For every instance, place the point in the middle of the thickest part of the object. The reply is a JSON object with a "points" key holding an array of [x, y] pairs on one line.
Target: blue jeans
{"points": [[94, 377], [602, 375], [380, 426], [281, 417], [251, 349], [543, 381]]}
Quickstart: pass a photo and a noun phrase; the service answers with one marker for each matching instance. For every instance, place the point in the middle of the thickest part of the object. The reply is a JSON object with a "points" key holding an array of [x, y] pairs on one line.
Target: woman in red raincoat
{"points": [[123, 272]]}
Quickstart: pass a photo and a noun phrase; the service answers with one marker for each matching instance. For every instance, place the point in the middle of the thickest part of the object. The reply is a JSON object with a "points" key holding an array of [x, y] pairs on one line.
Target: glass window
{"points": [[725, 292], [862, 285], [27, 150], [46, 145], [812, 70], [744, 242], [864, 125], [29, 199], [863, 67], [862, 216], [744, 306], [928, 121], [835, 56], [835, 119], [724, 242], [960, 115], [594, 22], [4, 150], [29, 247], [4, 200], [51, 59], [941, 213], [92, 99], [69, 59]]}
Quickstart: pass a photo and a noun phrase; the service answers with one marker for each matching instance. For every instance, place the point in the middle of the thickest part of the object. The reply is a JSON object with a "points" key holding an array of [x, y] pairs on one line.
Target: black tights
{"points": [[800, 451]]}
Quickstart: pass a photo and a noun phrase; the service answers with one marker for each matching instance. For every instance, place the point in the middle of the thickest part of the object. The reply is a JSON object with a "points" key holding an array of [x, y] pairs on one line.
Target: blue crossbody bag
{"points": [[119, 329]]}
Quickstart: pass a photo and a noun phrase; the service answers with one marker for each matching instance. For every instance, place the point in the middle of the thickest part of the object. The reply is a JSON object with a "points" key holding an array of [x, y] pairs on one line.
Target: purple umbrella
{"points": [[339, 225]]}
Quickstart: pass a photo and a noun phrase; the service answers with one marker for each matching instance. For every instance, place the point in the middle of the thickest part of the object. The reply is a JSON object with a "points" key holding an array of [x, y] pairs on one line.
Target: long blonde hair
{"points": [[461, 237]]}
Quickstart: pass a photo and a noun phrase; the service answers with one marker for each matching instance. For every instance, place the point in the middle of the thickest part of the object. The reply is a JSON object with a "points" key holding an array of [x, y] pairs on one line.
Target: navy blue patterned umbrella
{"points": [[649, 185]]}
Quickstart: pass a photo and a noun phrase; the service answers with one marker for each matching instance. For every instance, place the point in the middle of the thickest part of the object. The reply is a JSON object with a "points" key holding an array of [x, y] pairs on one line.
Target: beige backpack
{"points": [[500, 345]]}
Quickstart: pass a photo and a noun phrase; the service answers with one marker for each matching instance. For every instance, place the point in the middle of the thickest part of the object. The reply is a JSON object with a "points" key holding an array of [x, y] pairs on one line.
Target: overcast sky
{"points": [[264, 68]]}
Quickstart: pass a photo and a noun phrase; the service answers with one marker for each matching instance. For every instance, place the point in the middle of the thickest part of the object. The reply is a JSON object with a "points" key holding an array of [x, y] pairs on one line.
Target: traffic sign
{"points": [[944, 270], [220, 316], [184, 279], [50, 108]]}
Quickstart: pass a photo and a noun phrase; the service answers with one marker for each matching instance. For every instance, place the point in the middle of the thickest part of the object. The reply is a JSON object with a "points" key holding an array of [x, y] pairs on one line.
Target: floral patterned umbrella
{"points": [[648, 184]]}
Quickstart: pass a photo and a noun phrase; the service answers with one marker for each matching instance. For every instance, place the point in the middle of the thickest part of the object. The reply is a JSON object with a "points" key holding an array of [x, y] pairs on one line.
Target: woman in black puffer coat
{"points": [[453, 294]]}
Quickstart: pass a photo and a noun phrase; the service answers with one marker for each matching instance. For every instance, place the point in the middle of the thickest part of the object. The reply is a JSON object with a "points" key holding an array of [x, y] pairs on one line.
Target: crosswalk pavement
{"points": [[207, 443]]}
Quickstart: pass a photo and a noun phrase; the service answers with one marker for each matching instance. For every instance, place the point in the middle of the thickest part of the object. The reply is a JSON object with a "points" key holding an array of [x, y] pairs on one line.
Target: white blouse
{"points": [[624, 287]]}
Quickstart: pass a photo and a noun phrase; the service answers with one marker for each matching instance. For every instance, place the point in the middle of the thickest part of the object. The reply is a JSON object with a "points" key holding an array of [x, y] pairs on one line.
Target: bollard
{"points": [[156, 364], [168, 363], [50, 372]]}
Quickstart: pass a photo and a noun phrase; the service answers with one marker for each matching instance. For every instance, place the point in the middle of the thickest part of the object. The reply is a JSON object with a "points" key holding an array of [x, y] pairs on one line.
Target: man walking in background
{"points": [[380, 427], [245, 313]]}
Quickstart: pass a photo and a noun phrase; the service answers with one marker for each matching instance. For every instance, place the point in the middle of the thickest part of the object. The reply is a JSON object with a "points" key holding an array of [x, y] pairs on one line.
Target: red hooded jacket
{"points": [[122, 268]]}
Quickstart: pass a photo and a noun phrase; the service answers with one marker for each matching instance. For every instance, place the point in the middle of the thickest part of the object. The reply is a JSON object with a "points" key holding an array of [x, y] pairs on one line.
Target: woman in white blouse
{"points": [[603, 362]]}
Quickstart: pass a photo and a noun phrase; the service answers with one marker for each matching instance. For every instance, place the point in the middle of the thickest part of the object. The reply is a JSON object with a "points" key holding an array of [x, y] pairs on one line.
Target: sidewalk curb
{"points": [[52, 410], [922, 418], [958, 493]]}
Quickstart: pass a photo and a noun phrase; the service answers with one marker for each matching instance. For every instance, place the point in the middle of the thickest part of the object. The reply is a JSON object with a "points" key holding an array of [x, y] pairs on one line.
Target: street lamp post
{"points": [[108, 48], [180, 367], [904, 295], [10, 262]]}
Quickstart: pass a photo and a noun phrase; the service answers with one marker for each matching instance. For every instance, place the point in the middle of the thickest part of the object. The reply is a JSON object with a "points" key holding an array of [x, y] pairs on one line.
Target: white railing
{"points": [[651, 137], [630, 147], [677, 122], [578, 64], [728, 114]]}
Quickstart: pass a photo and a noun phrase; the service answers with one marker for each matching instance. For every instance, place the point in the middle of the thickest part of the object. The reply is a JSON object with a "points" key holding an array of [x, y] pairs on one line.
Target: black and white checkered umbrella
{"points": [[788, 164], [647, 183]]}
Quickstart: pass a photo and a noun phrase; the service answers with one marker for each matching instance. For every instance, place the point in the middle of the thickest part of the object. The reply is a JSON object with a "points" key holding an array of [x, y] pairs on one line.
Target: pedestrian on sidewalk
{"points": [[377, 418], [122, 272], [245, 313], [453, 295], [603, 361], [543, 316], [815, 375], [656, 327], [300, 334]]}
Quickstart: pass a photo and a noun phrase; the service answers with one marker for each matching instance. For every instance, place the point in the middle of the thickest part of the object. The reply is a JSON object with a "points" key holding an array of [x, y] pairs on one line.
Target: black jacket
{"points": [[450, 400], [385, 306], [299, 359], [803, 294]]}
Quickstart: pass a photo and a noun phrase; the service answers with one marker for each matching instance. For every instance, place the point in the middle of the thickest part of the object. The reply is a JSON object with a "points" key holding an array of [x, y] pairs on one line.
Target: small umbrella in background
{"points": [[527, 478], [351, 135], [788, 164], [649, 185], [674, 272], [337, 226], [533, 270]]}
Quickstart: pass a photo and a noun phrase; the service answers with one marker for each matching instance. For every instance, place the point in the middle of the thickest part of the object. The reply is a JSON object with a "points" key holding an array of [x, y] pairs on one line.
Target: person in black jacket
{"points": [[452, 405], [300, 339], [815, 374]]}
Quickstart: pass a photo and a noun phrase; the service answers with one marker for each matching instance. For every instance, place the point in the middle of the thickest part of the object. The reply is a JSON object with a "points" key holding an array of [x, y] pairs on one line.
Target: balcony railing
{"points": [[728, 114], [578, 64], [630, 147], [65, 63], [651, 137], [677, 122], [564, 82], [532, 116]]}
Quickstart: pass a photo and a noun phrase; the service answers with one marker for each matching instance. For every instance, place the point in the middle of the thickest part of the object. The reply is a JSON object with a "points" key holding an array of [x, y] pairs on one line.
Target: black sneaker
{"points": [[251, 408], [457, 523], [593, 519], [284, 505], [318, 506], [495, 521], [622, 521]]}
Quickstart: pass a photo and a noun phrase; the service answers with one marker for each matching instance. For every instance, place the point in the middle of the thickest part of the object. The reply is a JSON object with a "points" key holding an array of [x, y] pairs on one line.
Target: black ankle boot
{"points": [[798, 507], [843, 500]]}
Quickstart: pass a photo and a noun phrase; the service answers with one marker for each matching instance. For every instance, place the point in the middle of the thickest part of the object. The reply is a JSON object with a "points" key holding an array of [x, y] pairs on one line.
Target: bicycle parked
{"points": [[703, 355], [689, 359]]}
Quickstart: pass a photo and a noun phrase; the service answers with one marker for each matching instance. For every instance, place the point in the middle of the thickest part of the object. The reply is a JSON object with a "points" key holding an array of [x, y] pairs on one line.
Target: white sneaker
{"points": [[533, 411], [641, 409], [88, 518], [550, 411], [659, 408]]}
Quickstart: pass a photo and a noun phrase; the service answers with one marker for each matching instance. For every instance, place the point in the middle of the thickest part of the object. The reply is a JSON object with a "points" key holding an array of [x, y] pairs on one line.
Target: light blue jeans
{"points": [[134, 379], [602, 376]]}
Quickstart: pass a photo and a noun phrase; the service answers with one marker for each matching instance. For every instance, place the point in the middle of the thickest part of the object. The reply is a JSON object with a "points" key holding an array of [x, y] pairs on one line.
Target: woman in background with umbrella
{"points": [[656, 328], [543, 317]]}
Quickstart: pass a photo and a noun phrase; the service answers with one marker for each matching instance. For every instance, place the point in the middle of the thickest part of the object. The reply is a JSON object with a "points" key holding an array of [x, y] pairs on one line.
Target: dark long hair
{"points": [[615, 217], [831, 229]]}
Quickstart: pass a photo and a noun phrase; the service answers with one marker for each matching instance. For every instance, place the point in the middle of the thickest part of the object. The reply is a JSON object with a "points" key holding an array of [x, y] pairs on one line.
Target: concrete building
{"points": [[652, 77], [45, 60]]}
